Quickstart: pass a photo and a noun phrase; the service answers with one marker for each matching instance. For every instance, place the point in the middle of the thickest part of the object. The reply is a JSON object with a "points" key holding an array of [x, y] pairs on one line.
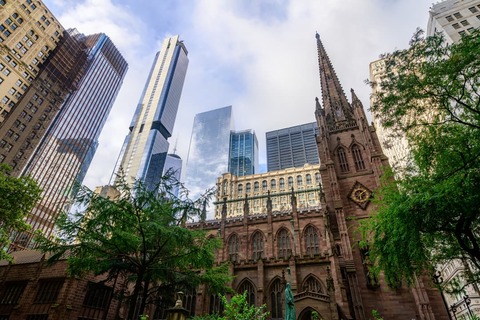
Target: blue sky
{"points": [[257, 55]]}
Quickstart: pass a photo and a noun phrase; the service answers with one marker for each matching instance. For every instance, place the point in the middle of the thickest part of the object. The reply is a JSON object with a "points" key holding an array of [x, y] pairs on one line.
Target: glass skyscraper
{"points": [[209, 149], [61, 160], [145, 149], [292, 147], [243, 153]]}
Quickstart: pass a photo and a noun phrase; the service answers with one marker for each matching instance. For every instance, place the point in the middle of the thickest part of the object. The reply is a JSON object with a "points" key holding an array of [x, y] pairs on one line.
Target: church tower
{"points": [[351, 162]]}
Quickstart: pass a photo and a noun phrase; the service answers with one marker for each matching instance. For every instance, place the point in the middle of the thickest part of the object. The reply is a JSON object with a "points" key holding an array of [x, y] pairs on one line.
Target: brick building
{"points": [[29, 289]]}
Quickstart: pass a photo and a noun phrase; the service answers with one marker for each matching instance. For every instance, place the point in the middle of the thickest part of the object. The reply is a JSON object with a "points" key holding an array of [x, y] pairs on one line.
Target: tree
{"points": [[17, 198], [431, 213], [238, 309], [139, 235]]}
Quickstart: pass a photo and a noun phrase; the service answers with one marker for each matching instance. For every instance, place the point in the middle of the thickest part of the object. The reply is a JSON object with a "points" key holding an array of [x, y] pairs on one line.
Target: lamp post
{"points": [[438, 280], [294, 241]]}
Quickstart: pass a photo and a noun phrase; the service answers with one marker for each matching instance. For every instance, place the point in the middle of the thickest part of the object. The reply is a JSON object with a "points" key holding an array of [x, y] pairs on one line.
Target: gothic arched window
{"points": [[276, 293], [273, 184], [233, 246], [257, 246], [311, 241], [342, 160], [282, 183], [312, 284], [283, 244], [357, 158], [247, 286], [216, 305], [308, 177]]}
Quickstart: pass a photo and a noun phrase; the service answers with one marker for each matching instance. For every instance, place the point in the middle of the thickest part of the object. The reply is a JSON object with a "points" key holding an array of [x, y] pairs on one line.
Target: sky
{"points": [[257, 55]]}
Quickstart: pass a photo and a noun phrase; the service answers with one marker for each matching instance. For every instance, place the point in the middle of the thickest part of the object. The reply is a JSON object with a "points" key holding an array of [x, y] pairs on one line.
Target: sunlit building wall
{"points": [[145, 150]]}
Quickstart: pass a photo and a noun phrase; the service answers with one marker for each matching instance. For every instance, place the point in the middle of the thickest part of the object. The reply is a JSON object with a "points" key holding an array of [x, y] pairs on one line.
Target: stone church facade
{"points": [[316, 249]]}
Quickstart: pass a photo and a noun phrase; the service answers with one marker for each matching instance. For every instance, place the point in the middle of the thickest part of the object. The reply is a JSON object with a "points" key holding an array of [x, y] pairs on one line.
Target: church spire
{"points": [[335, 103]]}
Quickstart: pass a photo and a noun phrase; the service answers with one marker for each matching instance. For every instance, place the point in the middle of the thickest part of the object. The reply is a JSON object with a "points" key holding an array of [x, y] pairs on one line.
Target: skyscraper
{"points": [[209, 149], [145, 149], [454, 18], [173, 165], [292, 147], [63, 156], [243, 153]]}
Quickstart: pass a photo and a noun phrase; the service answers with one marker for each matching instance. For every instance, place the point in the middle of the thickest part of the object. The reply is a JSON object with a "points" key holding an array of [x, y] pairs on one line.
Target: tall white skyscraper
{"points": [[145, 149]]}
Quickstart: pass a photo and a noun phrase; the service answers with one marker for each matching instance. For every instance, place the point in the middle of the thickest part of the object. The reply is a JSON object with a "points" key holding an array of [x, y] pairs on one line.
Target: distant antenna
{"points": [[175, 147]]}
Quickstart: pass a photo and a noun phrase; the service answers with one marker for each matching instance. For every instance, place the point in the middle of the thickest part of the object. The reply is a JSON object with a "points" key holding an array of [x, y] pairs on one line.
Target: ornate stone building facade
{"points": [[253, 190], [316, 249]]}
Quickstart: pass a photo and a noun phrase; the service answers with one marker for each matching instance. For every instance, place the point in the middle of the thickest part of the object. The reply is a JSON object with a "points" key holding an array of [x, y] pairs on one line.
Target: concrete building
{"points": [[243, 153], [454, 18], [254, 191], [146, 146], [209, 149], [64, 154], [292, 147]]}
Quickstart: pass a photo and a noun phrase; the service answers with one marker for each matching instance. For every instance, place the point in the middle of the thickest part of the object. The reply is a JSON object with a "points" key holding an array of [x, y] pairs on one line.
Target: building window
{"points": [[98, 296], [342, 158], [247, 286], [456, 26], [357, 158], [312, 246], [308, 177], [216, 305], [290, 182], [276, 294], [299, 180], [264, 185], [48, 291], [283, 244], [464, 23], [257, 246], [458, 15], [282, 183], [256, 186], [12, 291], [248, 187], [273, 184], [473, 9], [233, 246], [449, 18], [312, 284], [240, 188]]}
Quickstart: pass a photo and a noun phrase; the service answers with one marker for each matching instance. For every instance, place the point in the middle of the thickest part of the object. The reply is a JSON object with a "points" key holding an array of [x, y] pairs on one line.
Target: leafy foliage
{"points": [[17, 197], [431, 214], [238, 309], [139, 235]]}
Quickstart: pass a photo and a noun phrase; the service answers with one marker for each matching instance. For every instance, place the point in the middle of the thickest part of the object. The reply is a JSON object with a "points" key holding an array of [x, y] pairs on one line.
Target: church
{"points": [[315, 248]]}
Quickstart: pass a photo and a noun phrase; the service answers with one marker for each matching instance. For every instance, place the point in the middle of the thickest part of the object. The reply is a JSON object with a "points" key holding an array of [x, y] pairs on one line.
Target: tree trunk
{"points": [[134, 297], [144, 295]]}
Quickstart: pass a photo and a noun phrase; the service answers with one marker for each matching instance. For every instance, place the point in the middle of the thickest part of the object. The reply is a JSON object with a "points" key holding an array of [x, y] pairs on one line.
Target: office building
{"points": [[63, 156], [28, 119], [173, 166], [29, 34], [255, 189], [292, 147], [453, 18], [145, 150], [209, 149], [243, 153]]}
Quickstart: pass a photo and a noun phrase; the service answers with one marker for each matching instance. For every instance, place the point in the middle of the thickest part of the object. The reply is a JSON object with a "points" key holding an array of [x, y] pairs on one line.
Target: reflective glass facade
{"points": [[243, 153], [174, 163], [292, 147], [145, 149], [64, 154], [209, 148]]}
